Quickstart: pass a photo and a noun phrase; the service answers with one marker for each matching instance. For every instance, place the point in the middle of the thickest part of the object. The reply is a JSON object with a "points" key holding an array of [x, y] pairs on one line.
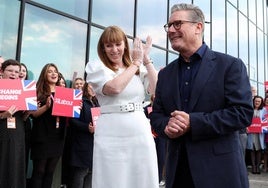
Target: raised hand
{"points": [[137, 51]]}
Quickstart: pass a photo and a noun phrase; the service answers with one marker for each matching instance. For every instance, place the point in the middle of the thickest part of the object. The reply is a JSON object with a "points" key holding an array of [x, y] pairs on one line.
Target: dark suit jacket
{"points": [[220, 105]]}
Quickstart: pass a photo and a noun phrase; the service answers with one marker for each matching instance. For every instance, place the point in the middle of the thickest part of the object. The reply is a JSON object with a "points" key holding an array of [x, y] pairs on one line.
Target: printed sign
{"points": [[67, 102], [21, 93], [266, 86], [95, 112], [257, 126]]}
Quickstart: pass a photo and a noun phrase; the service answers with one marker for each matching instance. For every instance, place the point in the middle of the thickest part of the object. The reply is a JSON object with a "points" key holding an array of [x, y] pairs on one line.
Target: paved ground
{"points": [[258, 180], [255, 180]]}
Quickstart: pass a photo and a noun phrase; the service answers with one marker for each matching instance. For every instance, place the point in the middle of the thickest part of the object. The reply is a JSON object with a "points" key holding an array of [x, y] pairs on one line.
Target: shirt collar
{"points": [[198, 54]]}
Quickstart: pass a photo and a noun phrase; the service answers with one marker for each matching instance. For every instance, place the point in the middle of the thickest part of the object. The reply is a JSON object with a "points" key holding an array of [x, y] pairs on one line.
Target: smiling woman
{"points": [[12, 138]]}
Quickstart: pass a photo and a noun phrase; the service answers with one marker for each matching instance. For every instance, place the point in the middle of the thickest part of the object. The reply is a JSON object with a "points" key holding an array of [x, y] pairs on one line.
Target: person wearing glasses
{"points": [[12, 135], [202, 100]]}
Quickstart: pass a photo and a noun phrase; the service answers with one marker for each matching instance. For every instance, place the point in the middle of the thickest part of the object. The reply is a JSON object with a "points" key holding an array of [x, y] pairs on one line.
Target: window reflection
{"points": [[260, 13], [159, 58], [51, 38], [94, 38], [116, 12], [243, 39], [243, 6], [231, 31], [252, 52], [204, 5], [261, 49], [9, 15], [252, 10], [77, 8], [151, 22], [218, 26]]}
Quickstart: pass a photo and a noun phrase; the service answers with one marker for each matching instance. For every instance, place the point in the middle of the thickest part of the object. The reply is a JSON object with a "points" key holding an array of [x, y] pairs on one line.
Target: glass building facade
{"points": [[36, 32]]}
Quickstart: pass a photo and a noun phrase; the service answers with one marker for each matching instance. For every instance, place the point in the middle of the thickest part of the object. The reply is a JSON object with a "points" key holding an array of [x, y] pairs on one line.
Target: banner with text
{"points": [[257, 126], [67, 102], [21, 93], [266, 86], [95, 112]]}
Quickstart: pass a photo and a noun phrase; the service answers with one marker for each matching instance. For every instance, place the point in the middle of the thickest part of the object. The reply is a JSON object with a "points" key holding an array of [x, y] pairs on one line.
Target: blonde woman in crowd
{"points": [[78, 83]]}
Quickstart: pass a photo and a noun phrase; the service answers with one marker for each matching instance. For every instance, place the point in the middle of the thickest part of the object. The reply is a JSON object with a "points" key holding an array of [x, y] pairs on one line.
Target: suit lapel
{"points": [[205, 69]]}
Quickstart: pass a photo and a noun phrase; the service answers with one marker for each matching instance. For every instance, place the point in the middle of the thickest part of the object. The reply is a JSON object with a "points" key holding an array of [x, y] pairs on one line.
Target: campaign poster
{"points": [[266, 86], [95, 112], [67, 102], [256, 126], [21, 93]]}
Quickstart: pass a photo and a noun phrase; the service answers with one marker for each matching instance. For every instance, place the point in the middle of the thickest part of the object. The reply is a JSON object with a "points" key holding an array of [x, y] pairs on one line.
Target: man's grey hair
{"points": [[196, 14]]}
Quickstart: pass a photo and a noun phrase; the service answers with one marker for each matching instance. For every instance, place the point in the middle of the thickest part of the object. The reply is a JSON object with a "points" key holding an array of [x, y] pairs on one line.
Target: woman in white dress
{"points": [[124, 153]]}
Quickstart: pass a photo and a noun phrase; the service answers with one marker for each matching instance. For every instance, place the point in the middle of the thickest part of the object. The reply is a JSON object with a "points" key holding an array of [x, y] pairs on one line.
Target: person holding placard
{"points": [[12, 137], [265, 155], [255, 141], [48, 131]]}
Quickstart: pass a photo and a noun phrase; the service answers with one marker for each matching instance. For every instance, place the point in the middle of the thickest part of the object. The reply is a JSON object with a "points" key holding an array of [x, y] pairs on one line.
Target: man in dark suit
{"points": [[202, 100]]}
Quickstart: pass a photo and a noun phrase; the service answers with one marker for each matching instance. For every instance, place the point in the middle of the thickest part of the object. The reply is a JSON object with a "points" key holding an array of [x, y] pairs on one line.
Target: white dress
{"points": [[124, 154]]}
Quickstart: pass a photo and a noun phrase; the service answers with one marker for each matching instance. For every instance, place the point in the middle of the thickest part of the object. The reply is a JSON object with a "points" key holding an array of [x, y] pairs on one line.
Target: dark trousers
{"points": [[81, 177], [183, 177], [160, 144]]}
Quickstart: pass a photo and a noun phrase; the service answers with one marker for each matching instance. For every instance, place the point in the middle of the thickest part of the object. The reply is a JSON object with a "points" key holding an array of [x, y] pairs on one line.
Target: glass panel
{"points": [[260, 57], [260, 13], [218, 26], [159, 58], [265, 15], [204, 5], [232, 38], [261, 90], [47, 41], [117, 12], [77, 8], [243, 39], [151, 22], [265, 55], [234, 2], [252, 10], [94, 38], [252, 52], [9, 16], [243, 4]]}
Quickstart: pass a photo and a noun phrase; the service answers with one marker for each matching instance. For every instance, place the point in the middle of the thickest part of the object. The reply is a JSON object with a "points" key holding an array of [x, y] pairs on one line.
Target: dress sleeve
{"points": [[98, 75]]}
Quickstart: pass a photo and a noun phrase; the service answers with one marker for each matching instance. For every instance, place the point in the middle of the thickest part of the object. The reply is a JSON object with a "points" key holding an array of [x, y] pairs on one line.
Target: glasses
{"points": [[176, 24]]}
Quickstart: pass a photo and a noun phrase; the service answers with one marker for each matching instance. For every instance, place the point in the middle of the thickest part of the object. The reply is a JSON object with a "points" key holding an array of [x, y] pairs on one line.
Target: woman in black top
{"points": [[48, 131]]}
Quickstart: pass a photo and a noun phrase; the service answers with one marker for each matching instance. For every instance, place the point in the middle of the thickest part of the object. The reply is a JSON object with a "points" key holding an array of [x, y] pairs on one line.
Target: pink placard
{"points": [[67, 102], [95, 112], [21, 93]]}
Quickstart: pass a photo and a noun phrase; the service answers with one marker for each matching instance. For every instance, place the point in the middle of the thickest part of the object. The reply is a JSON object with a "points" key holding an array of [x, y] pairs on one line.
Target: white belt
{"points": [[130, 107]]}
